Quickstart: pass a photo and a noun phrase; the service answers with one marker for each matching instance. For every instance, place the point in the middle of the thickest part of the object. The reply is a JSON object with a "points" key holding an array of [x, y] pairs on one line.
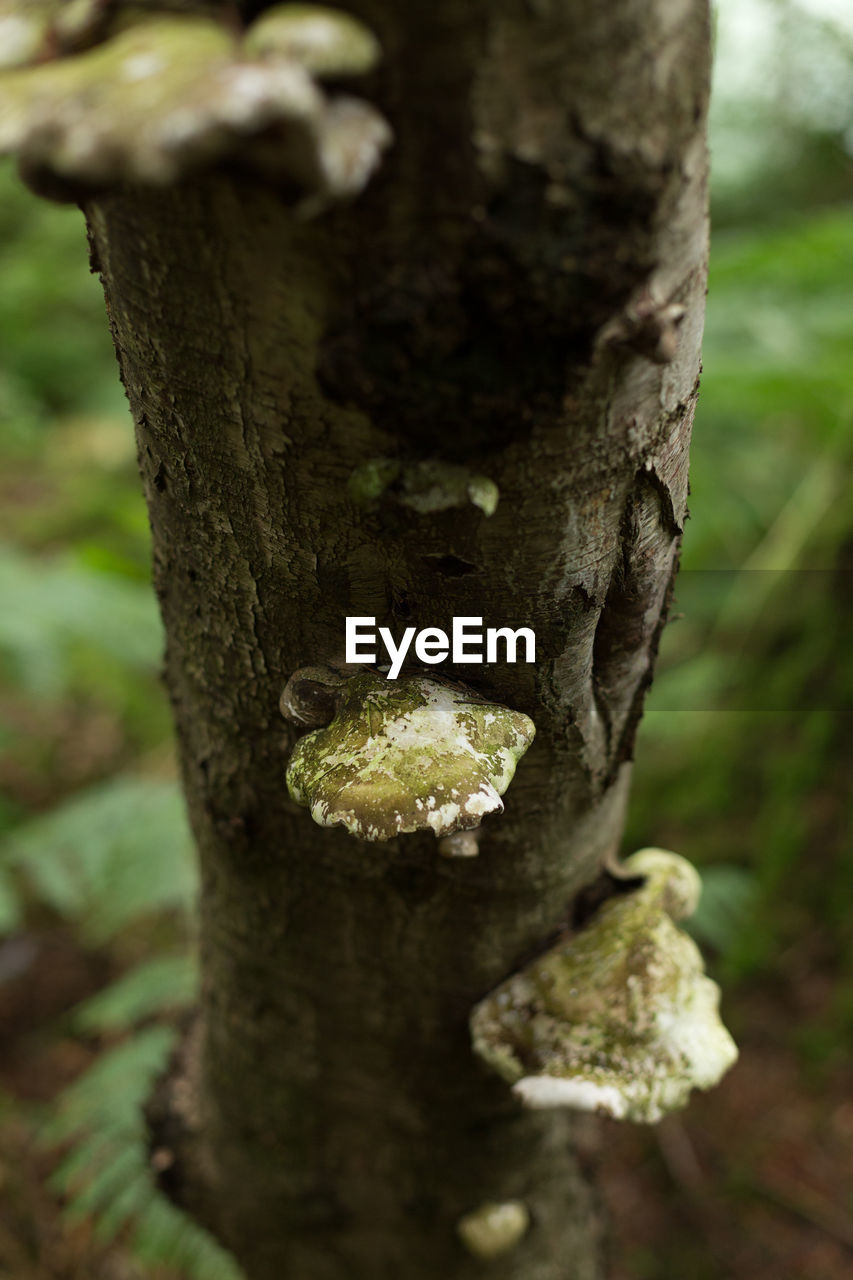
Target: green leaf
{"points": [[163, 983], [164, 1236], [108, 856], [725, 908], [106, 1178], [55, 344], [110, 1091], [53, 609]]}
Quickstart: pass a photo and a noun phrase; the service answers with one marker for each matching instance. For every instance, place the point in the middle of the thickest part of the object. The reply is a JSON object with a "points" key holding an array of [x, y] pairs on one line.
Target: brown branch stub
{"points": [[168, 94], [647, 326], [311, 695]]}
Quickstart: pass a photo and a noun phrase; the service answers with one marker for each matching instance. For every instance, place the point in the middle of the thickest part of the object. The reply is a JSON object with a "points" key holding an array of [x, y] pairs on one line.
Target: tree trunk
{"points": [[520, 292]]}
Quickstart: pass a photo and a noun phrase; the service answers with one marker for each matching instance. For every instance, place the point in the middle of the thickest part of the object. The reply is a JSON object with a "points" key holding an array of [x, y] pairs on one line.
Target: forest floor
{"points": [[754, 1181]]}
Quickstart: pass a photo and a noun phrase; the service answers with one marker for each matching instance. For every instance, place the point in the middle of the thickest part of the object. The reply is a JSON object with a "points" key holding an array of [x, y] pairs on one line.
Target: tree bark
{"points": [[519, 291]]}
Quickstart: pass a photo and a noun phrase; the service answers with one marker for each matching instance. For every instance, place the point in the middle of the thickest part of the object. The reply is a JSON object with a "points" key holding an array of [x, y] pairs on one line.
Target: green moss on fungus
{"points": [[24, 30], [620, 1018], [405, 755], [166, 94], [438, 486], [325, 41]]}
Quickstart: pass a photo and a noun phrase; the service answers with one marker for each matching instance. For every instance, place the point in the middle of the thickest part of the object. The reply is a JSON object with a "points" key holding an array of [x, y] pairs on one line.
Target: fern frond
{"points": [[50, 607], [108, 1096], [163, 983], [105, 1176], [112, 853]]}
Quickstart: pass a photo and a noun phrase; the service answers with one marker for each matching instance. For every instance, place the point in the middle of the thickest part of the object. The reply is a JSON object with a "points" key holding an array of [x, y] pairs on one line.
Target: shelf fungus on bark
{"points": [[619, 1018], [327, 42], [493, 1229], [406, 755], [148, 97]]}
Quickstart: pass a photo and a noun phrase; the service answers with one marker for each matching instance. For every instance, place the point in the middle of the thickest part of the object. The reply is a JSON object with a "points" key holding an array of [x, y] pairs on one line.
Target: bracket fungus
{"points": [[310, 696], [619, 1018], [408, 755], [326, 42], [24, 30], [147, 96]]}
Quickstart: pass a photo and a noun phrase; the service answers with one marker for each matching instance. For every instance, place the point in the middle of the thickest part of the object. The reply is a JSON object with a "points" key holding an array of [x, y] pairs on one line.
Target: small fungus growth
{"points": [[494, 1229], [326, 42], [425, 487], [408, 755], [460, 844], [620, 1018], [147, 97], [24, 28]]}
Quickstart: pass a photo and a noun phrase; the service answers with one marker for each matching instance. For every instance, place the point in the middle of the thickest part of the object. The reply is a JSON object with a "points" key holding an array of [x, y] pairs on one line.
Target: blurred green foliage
{"points": [[107, 857], [744, 755], [68, 620], [93, 833], [57, 358], [105, 1175]]}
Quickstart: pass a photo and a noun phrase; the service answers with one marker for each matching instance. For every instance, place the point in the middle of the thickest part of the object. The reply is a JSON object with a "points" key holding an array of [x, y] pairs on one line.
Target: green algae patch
{"points": [[425, 487], [368, 482], [408, 755], [620, 1018]]}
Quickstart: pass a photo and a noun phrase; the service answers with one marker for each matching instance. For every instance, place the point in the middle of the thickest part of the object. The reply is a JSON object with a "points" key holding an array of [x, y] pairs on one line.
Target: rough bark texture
{"points": [[508, 295]]}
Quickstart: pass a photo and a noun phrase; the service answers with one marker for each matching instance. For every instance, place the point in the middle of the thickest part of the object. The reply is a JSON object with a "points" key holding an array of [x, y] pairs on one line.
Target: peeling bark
{"points": [[519, 292]]}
